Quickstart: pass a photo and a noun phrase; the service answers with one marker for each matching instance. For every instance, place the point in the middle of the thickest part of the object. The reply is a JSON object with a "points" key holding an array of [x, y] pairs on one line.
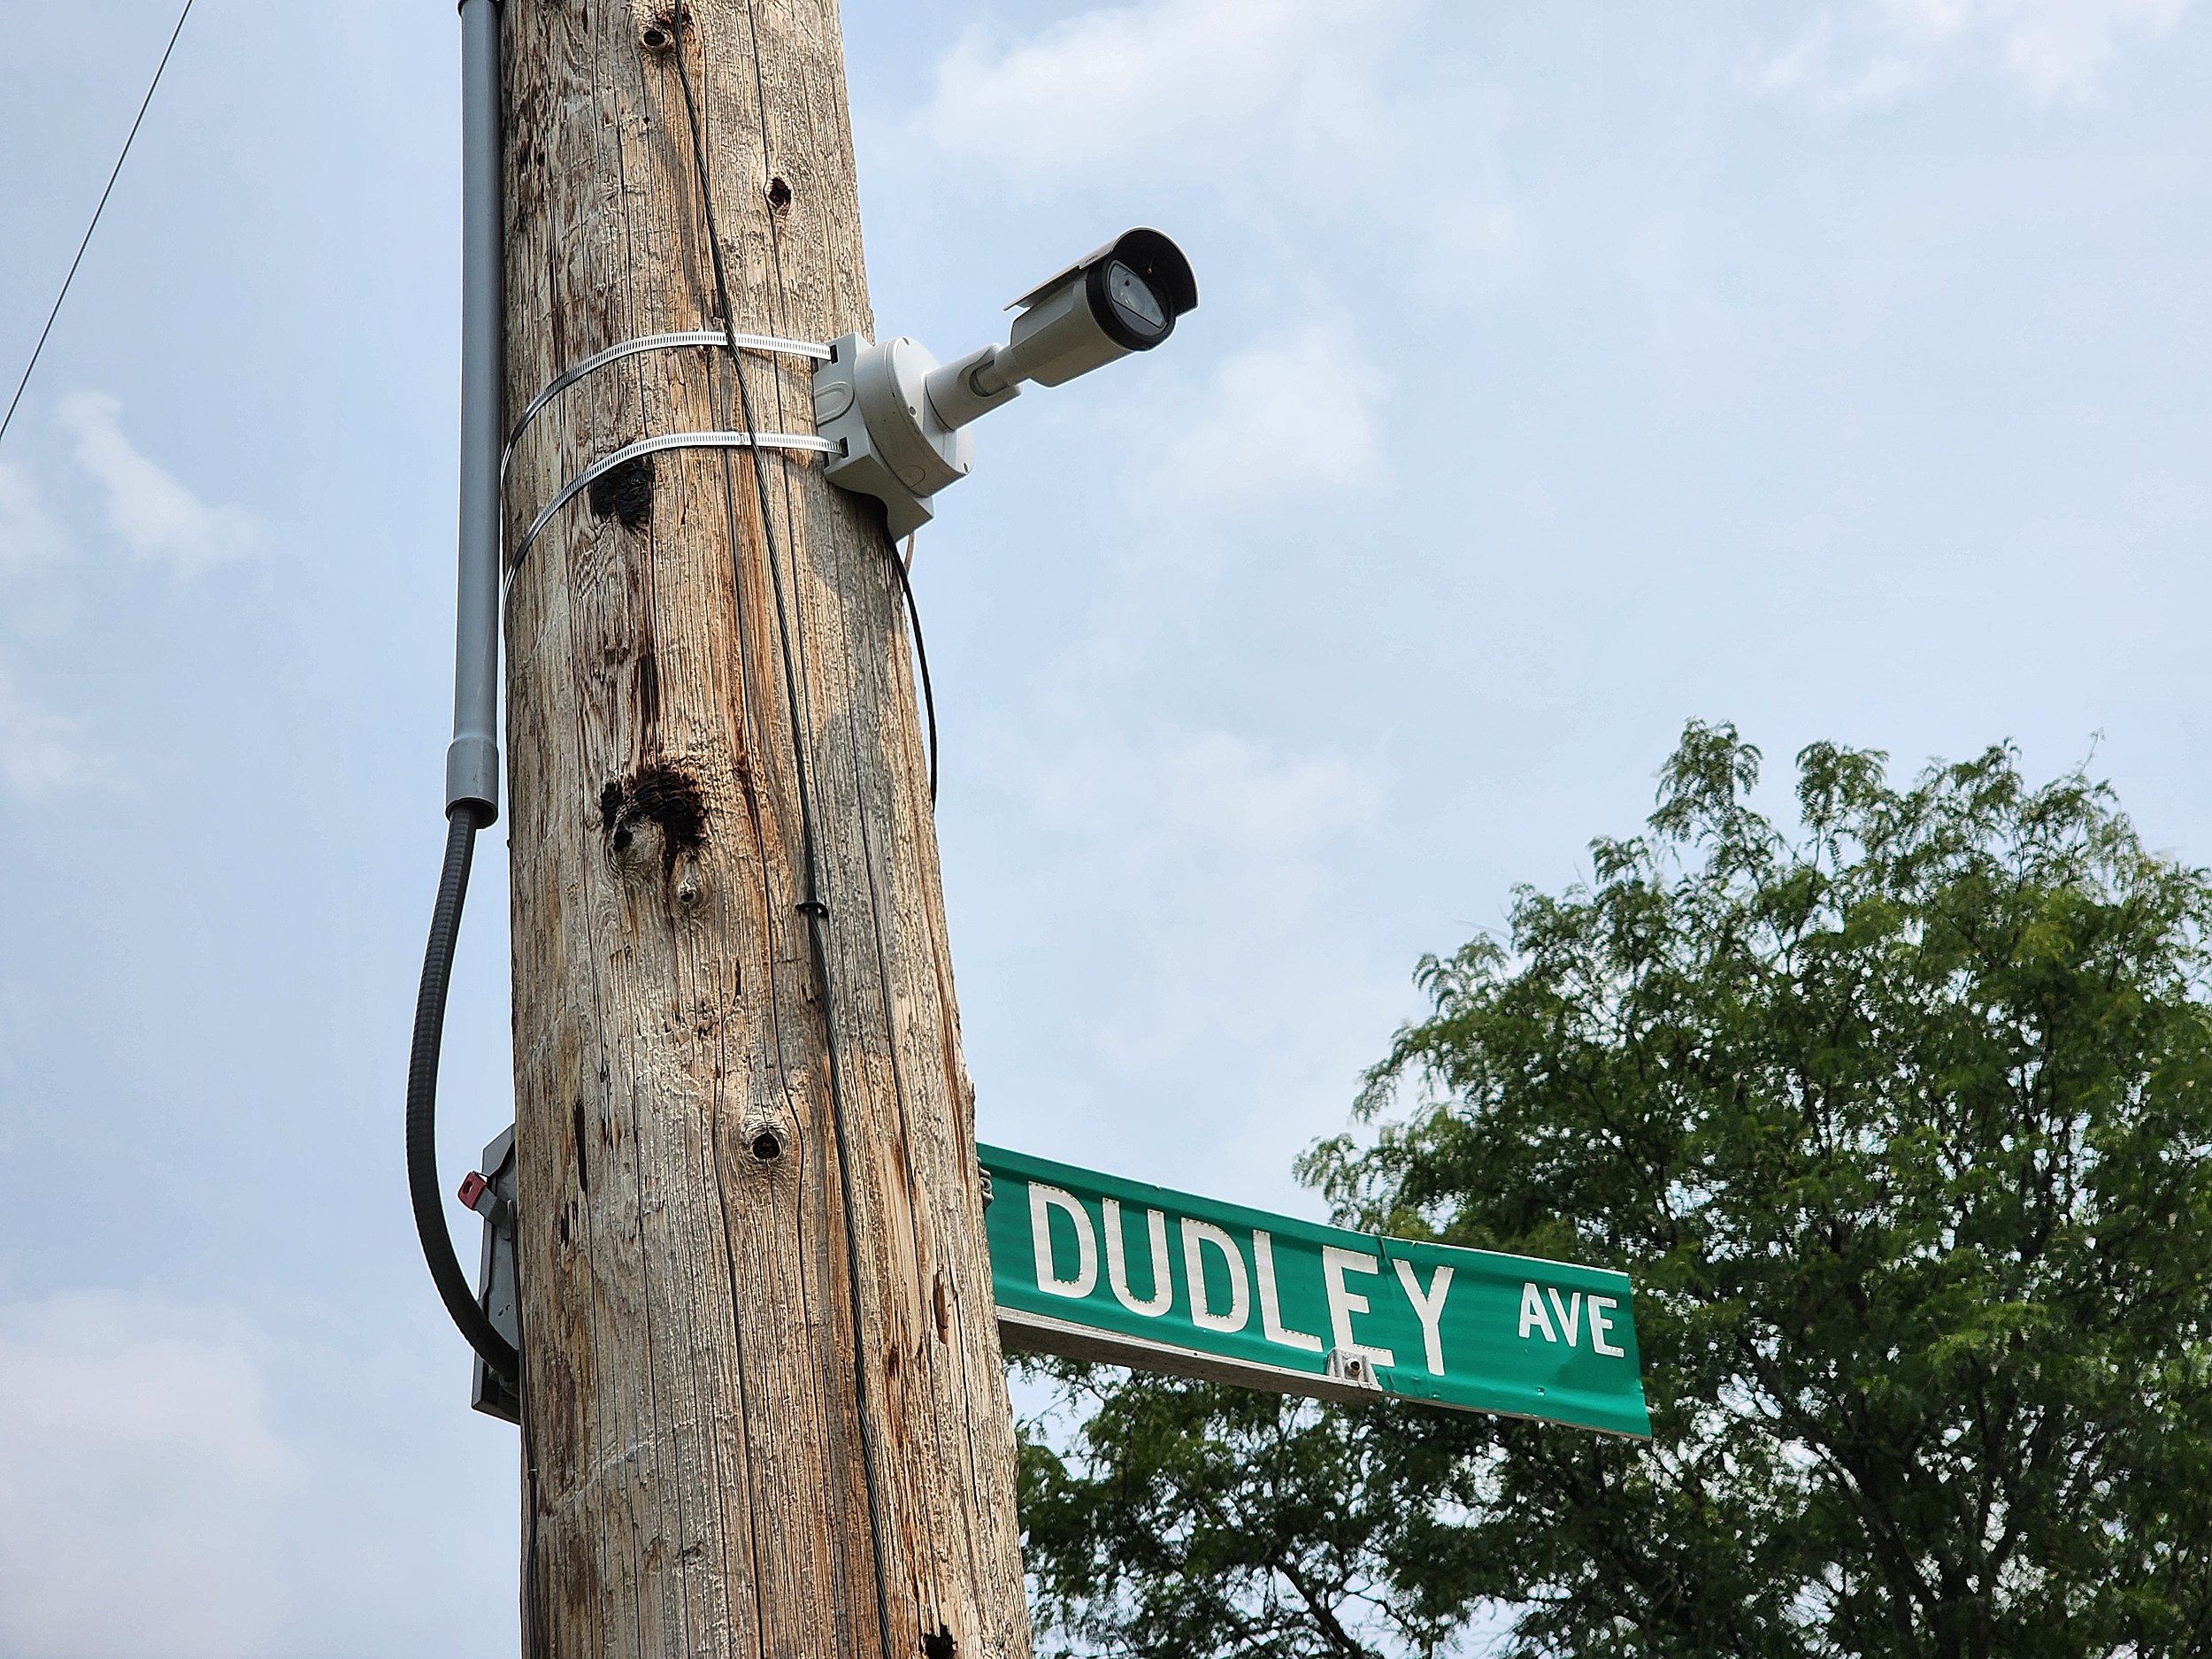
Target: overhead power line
{"points": [[118, 172]]}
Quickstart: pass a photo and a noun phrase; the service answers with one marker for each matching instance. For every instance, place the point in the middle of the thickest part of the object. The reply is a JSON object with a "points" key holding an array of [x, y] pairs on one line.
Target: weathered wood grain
{"points": [[695, 1373]]}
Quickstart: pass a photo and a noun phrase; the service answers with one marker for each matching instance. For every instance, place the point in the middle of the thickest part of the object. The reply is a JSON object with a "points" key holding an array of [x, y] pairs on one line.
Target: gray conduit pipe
{"points": [[472, 761]]}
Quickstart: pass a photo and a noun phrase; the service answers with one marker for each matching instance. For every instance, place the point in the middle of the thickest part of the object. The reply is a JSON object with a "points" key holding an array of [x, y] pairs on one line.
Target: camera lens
{"points": [[1133, 297]]}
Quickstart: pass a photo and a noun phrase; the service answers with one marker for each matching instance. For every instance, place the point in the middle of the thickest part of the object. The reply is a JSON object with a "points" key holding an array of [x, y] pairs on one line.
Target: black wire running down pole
{"points": [[811, 904]]}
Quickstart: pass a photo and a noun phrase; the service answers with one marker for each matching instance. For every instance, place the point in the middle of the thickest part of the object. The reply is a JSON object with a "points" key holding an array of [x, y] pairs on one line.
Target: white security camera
{"points": [[899, 417]]}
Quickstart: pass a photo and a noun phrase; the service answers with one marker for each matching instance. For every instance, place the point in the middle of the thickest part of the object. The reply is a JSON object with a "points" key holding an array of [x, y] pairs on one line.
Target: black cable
{"points": [[921, 655], [533, 1642], [810, 905], [422, 1101], [118, 172]]}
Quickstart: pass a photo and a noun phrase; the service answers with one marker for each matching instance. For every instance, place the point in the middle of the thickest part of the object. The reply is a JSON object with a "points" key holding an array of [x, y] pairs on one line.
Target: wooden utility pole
{"points": [[764, 1408]]}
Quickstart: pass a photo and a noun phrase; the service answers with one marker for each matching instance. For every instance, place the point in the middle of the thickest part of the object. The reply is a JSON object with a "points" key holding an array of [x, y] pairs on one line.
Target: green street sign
{"points": [[1093, 1267]]}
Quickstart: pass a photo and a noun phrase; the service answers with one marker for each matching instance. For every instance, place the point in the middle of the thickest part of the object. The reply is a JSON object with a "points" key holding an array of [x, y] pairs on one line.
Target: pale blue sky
{"points": [[1560, 373]]}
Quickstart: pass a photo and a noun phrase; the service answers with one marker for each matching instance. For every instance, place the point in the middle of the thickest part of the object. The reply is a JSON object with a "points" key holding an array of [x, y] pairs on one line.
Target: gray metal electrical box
{"points": [[495, 1200]]}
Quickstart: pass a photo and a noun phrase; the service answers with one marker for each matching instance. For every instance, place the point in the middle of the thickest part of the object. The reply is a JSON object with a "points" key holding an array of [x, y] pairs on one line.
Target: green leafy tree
{"points": [[1901, 1122], [1209, 1520]]}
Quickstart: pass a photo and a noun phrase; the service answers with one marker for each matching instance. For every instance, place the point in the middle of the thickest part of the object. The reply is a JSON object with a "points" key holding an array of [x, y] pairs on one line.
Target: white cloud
{"points": [[1287, 417], [29, 535], [1104, 93], [1256, 808], [156, 514], [1301, 113], [1225, 993], [187, 1479], [140, 1483], [38, 749], [1215, 852], [2057, 49], [2053, 51]]}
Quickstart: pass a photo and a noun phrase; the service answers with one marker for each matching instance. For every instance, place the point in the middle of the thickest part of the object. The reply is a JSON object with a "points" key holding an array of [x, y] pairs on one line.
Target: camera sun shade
{"points": [[1120, 298]]}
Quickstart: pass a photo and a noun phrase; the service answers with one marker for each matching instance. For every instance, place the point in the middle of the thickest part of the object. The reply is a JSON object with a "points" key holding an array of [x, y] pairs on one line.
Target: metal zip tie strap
{"points": [[652, 446], [714, 337]]}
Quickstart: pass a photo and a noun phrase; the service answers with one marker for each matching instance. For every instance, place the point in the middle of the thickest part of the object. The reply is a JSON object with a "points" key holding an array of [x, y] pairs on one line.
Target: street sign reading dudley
{"points": [[1097, 1268]]}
